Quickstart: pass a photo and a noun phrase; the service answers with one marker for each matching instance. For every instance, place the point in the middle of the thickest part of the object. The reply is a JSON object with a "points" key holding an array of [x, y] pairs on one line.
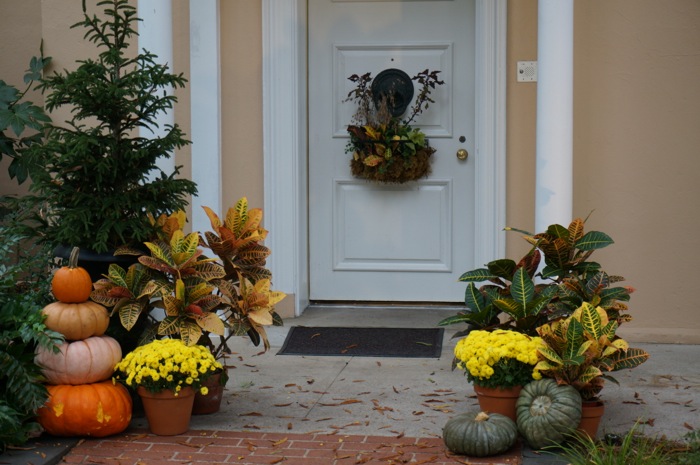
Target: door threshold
{"points": [[358, 304]]}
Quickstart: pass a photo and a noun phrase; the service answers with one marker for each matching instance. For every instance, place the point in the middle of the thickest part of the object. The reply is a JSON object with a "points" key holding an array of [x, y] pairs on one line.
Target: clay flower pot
{"points": [[211, 402], [497, 400], [167, 414]]}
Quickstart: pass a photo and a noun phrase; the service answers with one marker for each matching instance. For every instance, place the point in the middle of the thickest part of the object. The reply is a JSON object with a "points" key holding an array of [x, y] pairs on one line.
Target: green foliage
{"points": [[17, 116], [687, 452], [228, 296], [517, 296], [23, 292], [97, 176], [630, 449], [583, 348]]}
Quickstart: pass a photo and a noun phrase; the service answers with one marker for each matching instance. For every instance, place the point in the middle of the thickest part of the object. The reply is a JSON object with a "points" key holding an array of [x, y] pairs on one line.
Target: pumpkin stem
{"points": [[482, 416], [73, 259]]}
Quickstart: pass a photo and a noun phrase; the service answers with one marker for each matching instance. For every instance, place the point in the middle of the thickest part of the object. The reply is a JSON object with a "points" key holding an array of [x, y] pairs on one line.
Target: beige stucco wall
{"points": [[636, 139], [20, 40], [241, 106], [636, 114]]}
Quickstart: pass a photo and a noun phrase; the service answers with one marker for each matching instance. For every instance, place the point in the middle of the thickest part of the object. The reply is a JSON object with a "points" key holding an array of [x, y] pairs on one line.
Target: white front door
{"points": [[377, 242]]}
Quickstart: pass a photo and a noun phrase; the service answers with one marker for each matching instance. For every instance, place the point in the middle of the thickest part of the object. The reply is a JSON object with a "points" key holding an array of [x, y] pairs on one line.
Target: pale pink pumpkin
{"points": [[80, 362]]}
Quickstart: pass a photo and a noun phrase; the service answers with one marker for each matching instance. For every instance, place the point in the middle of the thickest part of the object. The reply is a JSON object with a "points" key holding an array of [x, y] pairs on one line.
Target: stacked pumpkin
{"points": [[83, 400]]}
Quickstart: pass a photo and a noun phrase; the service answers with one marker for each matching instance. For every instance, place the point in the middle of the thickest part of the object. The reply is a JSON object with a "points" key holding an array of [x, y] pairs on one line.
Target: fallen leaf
{"points": [[194, 446], [315, 335], [345, 402], [289, 426], [430, 460], [283, 405], [277, 460], [688, 426], [250, 414], [281, 441]]}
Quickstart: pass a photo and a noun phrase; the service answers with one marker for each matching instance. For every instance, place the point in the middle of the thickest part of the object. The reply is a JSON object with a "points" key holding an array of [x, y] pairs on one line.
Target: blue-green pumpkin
{"points": [[547, 412], [479, 434]]}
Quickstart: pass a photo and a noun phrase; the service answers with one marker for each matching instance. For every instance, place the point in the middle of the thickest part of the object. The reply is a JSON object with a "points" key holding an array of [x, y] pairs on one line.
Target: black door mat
{"points": [[363, 342]]}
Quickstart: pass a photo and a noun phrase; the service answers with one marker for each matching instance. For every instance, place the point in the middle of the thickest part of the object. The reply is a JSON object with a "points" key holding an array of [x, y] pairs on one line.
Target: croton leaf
{"points": [[589, 374], [212, 323], [473, 299], [594, 240], [630, 358], [190, 332], [129, 314], [479, 275], [575, 231], [522, 289], [503, 268]]}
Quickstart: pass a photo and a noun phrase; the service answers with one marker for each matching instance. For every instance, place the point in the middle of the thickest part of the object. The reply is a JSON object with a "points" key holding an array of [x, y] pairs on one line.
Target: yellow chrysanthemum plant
{"points": [[498, 359], [167, 364]]}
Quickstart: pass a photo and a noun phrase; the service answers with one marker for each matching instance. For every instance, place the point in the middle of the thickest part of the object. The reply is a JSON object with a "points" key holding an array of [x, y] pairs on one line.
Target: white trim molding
{"points": [[285, 145], [156, 37], [205, 92]]}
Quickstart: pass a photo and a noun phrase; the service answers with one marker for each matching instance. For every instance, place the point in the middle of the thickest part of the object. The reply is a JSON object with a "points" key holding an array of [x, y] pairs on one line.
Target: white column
{"points": [[205, 92], [284, 144], [555, 47], [156, 36]]}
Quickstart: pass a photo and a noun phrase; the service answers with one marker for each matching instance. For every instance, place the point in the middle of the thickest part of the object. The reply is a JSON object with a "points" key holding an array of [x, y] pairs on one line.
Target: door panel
{"points": [[371, 241]]}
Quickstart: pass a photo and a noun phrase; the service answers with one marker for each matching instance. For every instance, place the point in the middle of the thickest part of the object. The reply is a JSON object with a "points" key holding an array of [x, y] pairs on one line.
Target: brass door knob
{"points": [[462, 154]]}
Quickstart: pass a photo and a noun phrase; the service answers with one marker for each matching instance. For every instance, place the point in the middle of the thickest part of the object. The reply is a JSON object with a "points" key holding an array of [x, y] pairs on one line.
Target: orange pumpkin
{"points": [[76, 321], [80, 362], [98, 409], [72, 283]]}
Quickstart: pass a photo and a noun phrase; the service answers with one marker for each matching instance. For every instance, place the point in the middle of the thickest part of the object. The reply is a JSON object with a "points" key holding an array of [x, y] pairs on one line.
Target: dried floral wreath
{"points": [[385, 147]]}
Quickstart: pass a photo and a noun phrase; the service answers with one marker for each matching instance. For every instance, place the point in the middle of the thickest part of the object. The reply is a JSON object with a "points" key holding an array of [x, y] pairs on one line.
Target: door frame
{"points": [[285, 147]]}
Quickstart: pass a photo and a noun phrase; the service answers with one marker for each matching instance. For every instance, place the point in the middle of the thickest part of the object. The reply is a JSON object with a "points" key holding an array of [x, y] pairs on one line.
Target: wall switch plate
{"points": [[527, 71]]}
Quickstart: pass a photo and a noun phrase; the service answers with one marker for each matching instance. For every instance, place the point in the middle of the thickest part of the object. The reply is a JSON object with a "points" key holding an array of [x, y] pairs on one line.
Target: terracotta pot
{"points": [[591, 414], [497, 400], [167, 414], [211, 403]]}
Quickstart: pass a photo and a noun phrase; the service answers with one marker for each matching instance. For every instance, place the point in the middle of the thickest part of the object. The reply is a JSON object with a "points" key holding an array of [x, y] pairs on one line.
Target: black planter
{"points": [[97, 264]]}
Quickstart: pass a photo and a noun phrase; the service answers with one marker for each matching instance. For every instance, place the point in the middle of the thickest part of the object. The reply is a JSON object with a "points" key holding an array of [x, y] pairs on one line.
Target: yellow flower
{"points": [[482, 353], [166, 364]]}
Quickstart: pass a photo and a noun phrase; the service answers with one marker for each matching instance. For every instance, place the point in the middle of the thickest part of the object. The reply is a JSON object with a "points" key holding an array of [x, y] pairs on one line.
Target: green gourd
{"points": [[479, 434], [547, 412]]}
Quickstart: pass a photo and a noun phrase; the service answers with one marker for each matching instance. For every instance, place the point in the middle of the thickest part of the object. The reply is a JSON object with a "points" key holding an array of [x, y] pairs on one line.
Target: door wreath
{"points": [[385, 147]]}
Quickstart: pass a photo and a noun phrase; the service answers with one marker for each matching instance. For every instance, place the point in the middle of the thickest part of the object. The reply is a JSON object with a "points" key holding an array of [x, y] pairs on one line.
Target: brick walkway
{"points": [[138, 447]]}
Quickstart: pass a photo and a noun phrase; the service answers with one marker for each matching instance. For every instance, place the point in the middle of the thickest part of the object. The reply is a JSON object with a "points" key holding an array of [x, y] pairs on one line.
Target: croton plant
{"points": [[227, 295]]}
